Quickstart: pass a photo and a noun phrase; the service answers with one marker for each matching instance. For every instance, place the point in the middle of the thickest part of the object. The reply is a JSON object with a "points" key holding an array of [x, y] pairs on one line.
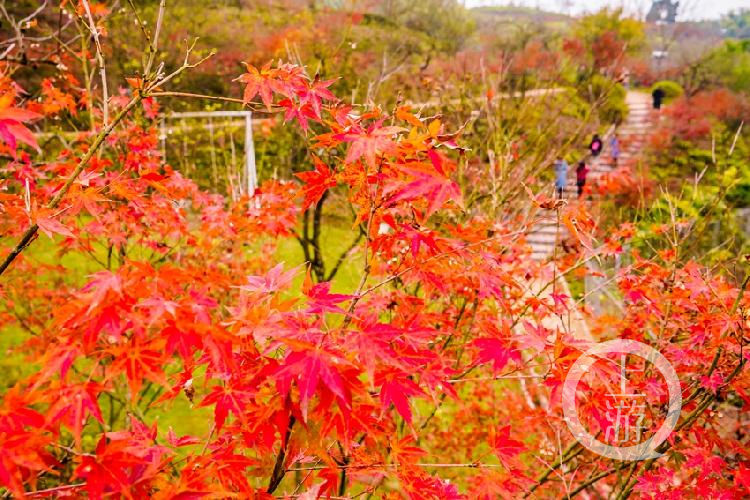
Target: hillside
{"points": [[492, 16]]}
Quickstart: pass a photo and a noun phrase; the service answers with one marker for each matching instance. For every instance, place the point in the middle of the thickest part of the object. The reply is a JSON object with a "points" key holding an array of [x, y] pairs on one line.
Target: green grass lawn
{"points": [[334, 239]]}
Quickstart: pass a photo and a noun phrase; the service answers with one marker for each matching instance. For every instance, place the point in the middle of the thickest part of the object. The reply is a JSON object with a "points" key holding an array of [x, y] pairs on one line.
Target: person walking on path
{"points": [[581, 172], [561, 175], [625, 78], [614, 148], [596, 145], [658, 95]]}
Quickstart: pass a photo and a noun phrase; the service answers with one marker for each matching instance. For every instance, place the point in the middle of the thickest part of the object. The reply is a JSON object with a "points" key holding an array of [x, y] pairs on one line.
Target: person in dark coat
{"points": [[581, 172], [658, 95], [596, 145]]}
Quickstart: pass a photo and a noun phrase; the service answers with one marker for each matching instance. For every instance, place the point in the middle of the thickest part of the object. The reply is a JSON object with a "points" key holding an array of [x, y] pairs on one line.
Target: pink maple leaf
{"points": [[274, 280], [496, 351], [48, 225], [712, 383]]}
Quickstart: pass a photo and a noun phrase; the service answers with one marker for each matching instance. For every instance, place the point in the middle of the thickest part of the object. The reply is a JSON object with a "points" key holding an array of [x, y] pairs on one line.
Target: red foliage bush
{"points": [[692, 118]]}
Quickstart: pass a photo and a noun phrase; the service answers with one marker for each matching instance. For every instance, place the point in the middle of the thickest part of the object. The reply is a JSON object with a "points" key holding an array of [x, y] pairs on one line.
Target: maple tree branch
{"points": [[698, 390], [196, 96], [98, 141], [255, 107], [566, 456], [22, 61], [15, 26], [596, 478], [435, 257], [473, 465], [366, 271], [141, 23], [46, 492], [208, 439], [154, 45], [740, 294], [318, 264], [278, 469], [186, 64], [99, 59], [344, 254], [627, 478], [498, 377]]}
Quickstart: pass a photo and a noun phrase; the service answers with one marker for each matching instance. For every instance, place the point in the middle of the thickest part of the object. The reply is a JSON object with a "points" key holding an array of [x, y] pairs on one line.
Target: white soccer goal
{"points": [[240, 180]]}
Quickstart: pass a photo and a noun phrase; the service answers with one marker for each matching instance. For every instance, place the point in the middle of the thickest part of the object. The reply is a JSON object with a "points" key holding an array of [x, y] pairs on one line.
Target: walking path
{"points": [[632, 136]]}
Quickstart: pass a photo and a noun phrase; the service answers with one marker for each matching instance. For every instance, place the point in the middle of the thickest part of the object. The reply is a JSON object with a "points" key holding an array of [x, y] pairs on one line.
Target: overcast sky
{"points": [[693, 9]]}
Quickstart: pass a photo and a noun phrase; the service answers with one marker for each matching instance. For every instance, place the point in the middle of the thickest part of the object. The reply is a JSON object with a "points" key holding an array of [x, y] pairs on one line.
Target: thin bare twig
{"points": [[153, 47], [100, 60]]}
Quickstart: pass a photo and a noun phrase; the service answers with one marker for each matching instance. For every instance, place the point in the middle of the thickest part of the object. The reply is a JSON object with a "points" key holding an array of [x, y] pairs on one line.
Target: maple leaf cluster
{"points": [[300, 97], [438, 376]]}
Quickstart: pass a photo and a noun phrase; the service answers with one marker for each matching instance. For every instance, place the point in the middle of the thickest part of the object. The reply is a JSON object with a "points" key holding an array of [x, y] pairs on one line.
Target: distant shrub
{"points": [[613, 108], [672, 90]]}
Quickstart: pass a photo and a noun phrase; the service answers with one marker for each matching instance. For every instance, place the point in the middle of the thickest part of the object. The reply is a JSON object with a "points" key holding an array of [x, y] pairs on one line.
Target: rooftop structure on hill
{"points": [[662, 11]]}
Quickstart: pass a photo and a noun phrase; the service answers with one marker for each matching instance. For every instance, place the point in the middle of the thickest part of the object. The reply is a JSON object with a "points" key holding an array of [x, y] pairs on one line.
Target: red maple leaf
{"points": [[742, 476], [286, 79], [22, 453], [396, 388], [317, 182], [74, 405], [320, 299], [121, 460], [231, 397], [654, 482], [158, 307], [535, 337], [177, 442], [302, 112], [12, 129], [258, 82], [432, 186], [103, 282], [311, 367], [418, 237], [712, 383], [376, 140], [316, 92], [139, 362], [505, 448]]}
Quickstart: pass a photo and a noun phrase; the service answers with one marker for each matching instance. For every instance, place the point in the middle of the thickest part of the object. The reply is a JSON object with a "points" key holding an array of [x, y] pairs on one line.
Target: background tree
{"points": [[737, 23]]}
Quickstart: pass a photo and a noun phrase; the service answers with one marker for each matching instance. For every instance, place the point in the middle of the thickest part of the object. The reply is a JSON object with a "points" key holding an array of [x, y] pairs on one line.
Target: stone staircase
{"points": [[546, 234]]}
